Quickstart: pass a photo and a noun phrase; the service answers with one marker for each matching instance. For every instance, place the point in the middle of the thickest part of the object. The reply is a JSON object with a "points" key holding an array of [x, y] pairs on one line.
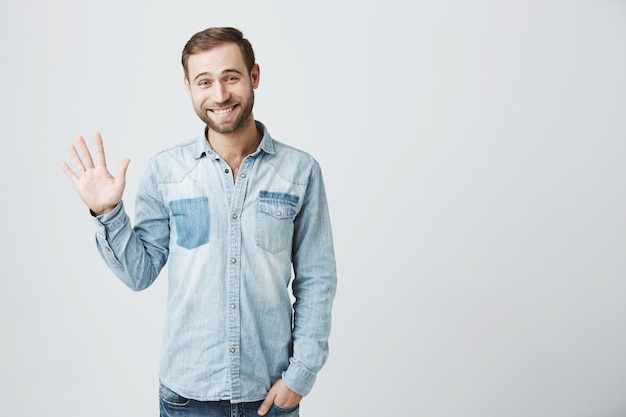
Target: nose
{"points": [[220, 93]]}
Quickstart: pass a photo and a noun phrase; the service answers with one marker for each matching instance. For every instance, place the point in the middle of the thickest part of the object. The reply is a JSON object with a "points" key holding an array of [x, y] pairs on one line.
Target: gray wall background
{"points": [[474, 154]]}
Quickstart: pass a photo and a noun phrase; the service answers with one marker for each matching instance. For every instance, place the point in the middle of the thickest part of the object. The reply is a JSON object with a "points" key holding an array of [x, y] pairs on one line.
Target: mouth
{"points": [[222, 112]]}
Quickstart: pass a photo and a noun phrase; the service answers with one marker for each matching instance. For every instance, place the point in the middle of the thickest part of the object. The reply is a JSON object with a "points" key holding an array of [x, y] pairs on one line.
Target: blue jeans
{"points": [[174, 405]]}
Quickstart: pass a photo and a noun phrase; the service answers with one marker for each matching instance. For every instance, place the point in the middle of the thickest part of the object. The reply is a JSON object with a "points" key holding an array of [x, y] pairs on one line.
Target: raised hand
{"points": [[98, 189]]}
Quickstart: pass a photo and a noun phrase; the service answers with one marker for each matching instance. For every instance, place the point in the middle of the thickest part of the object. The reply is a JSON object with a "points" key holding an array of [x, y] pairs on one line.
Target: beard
{"points": [[232, 126]]}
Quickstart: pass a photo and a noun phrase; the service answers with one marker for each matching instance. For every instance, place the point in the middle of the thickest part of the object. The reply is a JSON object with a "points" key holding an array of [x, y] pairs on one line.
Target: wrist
{"points": [[107, 210]]}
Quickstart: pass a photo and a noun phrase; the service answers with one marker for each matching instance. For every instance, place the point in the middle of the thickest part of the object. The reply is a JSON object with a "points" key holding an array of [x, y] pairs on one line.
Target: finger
{"points": [[68, 171], [84, 152], [76, 158], [267, 403], [121, 169], [100, 158]]}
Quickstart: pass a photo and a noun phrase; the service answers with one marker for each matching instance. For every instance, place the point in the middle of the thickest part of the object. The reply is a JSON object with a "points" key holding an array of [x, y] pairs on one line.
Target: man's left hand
{"points": [[280, 395]]}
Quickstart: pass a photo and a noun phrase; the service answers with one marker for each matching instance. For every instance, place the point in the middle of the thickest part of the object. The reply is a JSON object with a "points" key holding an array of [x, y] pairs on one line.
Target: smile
{"points": [[223, 111]]}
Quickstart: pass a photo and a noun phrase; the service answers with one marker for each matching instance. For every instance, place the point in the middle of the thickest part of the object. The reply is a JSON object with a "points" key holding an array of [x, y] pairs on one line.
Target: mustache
{"points": [[224, 105]]}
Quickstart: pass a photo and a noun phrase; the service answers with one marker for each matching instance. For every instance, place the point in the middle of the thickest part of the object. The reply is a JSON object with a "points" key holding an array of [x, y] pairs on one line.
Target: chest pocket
{"points": [[276, 213], [191, 216]]}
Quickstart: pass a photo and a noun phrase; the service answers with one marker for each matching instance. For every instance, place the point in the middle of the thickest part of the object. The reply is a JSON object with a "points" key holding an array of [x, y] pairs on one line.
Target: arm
{"points": [[137, 255], [314, 288]]}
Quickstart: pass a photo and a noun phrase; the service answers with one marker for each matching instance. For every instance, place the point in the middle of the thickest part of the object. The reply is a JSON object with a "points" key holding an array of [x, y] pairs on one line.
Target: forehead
{"points": [[216, 60]]}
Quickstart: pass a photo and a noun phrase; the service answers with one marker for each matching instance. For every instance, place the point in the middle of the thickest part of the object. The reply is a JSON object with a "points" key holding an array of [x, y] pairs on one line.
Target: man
{"points": [[232, 212]]}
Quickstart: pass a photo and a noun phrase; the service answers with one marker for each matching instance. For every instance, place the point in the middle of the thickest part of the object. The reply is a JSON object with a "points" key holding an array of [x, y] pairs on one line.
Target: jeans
{"points": [[174, 405]]}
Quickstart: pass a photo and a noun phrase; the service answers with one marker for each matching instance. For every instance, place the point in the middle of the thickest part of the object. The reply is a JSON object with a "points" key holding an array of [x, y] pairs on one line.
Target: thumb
{"points": [[122, 168], [267, 403]]}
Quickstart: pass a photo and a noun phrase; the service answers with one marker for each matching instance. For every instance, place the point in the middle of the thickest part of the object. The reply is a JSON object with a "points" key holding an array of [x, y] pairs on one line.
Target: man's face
{"points": [[221, 88]]}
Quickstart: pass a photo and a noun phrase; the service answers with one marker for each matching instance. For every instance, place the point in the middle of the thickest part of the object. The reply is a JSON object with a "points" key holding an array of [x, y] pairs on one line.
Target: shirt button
{"points": [[243, 175], [232, 350], [279, 213], [233, 260], [232, 306], [227, 170], [234, 216]]}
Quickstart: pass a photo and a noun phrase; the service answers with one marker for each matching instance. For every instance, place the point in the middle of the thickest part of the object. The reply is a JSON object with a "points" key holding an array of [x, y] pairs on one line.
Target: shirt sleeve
{"points": [[314, 288], [135, 255]]}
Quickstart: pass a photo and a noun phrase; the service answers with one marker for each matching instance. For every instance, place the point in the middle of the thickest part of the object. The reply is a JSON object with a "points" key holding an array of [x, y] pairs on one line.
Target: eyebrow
{"points": [[226, 71]]}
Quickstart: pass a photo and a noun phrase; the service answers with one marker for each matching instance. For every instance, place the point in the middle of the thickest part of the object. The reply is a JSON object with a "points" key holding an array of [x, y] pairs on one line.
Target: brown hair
{"points": [[212, 37]]}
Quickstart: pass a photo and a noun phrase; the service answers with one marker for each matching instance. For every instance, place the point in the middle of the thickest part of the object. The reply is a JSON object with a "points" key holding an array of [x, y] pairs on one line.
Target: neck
{"points": [[236, 144]]}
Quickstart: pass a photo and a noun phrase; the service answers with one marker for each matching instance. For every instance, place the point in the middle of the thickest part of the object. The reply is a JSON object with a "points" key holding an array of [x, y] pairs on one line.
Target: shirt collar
{"points": [[203, 148]]}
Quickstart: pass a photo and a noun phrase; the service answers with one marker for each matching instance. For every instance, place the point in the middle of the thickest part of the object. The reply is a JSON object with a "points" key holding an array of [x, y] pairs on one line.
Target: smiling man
{"points": [[232, 212]]}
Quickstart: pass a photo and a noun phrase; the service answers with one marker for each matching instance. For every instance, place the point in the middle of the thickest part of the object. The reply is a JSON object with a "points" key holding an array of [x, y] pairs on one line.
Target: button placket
{"points": [[236, 200]]}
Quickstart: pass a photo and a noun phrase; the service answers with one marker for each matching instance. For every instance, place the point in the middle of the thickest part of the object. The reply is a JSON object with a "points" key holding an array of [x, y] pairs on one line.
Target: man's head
{"points": [[212, 37], [220, 76]]}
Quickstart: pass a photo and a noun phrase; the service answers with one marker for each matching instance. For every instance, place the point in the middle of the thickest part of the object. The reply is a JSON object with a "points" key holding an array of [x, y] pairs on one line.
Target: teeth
{"points": [[223, 111]]}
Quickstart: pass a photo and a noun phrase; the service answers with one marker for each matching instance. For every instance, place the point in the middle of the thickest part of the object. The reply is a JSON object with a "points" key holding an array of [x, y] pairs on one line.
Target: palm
{"points": [[95, 185]]}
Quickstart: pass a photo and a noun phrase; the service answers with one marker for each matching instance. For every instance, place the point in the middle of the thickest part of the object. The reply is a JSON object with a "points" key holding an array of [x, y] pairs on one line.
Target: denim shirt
{"points": [[231, 330]]}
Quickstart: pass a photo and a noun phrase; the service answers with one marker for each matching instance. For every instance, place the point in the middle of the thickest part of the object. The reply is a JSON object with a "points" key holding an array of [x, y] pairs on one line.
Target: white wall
{"points": [[475, 159]]}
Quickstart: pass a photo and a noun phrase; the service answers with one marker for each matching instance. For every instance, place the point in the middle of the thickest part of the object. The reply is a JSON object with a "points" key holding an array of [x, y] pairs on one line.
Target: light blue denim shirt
{"points": [[230, 330]]}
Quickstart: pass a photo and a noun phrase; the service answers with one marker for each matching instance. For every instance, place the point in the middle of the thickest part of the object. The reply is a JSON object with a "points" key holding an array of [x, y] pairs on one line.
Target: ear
{"points": [[187, 86], [255, 75]]}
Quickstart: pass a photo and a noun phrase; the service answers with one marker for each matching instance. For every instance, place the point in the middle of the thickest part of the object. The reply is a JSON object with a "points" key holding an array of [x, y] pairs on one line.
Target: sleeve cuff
{"points": [[298, 379], [115, 209]]}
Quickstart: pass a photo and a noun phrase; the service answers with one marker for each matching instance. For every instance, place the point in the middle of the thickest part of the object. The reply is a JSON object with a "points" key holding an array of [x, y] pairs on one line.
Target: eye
{"points": [[232, 79], [204, 83]]}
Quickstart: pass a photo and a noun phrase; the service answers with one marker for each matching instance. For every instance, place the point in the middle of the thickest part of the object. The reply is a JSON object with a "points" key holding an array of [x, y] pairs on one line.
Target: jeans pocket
{"points": [[285, 412], [169, 397], [276, 213], [191, 216]]}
